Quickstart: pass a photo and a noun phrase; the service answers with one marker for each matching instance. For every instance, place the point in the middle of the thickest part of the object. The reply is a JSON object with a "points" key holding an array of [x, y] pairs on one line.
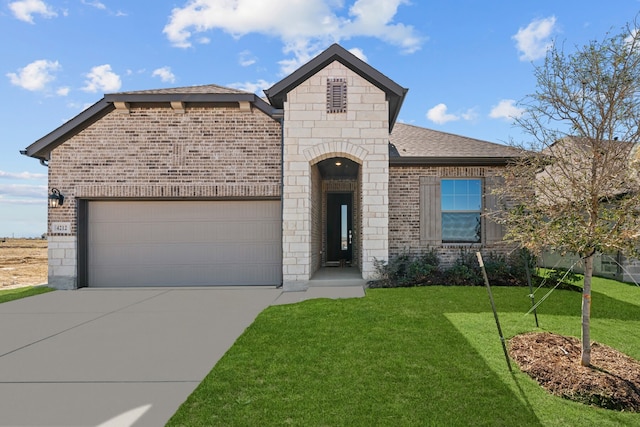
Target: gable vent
{"points": [[336, 95]]}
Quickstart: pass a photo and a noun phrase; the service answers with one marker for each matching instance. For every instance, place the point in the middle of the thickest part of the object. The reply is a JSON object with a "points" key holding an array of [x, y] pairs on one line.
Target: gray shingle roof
{"points": [[408, 141], [202, 89]]}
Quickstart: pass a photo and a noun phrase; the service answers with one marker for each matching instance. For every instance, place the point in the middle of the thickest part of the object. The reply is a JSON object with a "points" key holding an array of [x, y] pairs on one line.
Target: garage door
{"points": [[183, 243]]}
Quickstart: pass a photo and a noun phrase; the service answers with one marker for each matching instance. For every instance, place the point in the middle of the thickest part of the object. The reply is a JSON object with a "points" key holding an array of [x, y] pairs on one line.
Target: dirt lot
{"points": [[23, 262]]}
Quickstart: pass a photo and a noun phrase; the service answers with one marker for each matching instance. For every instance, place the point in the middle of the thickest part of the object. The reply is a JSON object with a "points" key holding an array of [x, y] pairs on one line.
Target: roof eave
{"points": [[394, 110], [41, 149], [450, 161], [194, 98], [180, 97]]}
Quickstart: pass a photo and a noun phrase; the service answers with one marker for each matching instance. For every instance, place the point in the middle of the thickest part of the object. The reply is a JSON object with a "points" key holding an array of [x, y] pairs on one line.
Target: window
{"points": [[336, 95], [461, 208]]}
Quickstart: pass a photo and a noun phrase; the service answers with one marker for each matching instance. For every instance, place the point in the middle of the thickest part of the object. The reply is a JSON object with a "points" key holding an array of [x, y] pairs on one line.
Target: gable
{"points": [[175, 98], [277, 94]]}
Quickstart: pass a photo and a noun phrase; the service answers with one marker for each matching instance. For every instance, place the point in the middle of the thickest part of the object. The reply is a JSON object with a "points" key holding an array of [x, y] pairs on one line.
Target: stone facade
{"points": [[311, 134], [212, 152]]}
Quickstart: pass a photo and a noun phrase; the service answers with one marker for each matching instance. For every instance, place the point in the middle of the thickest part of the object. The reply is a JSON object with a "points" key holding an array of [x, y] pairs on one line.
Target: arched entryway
{"points": [[336, 213]]}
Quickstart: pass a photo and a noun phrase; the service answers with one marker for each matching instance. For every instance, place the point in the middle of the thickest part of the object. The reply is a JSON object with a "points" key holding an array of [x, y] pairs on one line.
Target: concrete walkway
{"points": [[119, 357]]}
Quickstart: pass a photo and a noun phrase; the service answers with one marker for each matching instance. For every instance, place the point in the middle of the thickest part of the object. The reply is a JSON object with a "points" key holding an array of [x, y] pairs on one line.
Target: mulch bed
{"points": [[612, 382]]}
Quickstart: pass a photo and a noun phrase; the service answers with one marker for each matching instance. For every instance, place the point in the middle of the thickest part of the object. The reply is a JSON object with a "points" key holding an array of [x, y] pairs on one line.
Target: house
{"points": [[208, 185], [565, 183]]}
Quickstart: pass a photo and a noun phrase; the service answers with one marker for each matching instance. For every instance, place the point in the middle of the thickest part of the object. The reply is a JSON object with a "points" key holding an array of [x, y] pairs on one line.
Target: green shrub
{"points": [[465, 271], [511, 270], [407, 270]]}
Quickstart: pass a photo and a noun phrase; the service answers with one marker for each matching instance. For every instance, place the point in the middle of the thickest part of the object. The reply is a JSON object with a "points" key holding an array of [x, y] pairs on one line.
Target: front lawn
{"points": [[17, 293], [405, 357]]}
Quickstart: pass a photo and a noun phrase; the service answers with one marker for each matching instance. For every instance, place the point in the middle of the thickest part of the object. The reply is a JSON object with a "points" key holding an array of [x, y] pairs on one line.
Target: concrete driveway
{"points": [[122, 357], [115, 357]]}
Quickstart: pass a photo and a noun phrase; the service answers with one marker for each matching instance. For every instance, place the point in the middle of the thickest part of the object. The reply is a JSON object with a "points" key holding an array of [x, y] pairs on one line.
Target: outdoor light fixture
{"points": [[55, 198], [338, 163]]}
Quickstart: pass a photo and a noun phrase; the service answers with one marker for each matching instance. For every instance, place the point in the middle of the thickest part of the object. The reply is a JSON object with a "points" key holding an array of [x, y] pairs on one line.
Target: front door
{"points": [[339, 227]]}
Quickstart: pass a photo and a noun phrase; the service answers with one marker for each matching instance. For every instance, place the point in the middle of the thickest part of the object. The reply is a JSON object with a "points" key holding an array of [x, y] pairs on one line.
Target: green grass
{"points": [[17, 293], [405, 357]]}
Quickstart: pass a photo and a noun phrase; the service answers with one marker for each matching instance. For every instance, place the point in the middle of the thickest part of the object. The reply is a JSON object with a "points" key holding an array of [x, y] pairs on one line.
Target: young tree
{"points": [[577, 187]]}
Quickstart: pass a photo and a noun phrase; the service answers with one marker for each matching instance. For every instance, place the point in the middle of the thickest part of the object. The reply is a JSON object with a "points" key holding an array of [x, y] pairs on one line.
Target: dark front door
{"points": [[339, 227]]}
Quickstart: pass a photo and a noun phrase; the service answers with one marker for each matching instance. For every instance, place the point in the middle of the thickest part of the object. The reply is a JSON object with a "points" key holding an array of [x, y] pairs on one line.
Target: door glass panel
{"points": [[344, 242]]}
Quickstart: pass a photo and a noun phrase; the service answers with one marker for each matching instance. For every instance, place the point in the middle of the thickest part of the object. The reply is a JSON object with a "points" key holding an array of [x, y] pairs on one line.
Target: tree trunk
{"points": [[585, 359]]}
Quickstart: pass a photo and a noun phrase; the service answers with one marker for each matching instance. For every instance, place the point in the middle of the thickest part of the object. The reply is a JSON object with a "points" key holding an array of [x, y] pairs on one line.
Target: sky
{"points": [[467, 64]]}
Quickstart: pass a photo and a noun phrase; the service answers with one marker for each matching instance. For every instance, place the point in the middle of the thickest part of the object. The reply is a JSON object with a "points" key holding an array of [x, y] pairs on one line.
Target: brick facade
{"points": [[404, 211], [155, 152]]}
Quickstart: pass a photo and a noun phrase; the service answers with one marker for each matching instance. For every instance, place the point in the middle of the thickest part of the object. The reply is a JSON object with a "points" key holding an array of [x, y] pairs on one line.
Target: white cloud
{"points": [[304, 28], [22, 175], [374, 18], [25, 9], [359, 53], [35, 201], [469, 115], [246, 58], [24, 191], [506, 109], [534, 40], [63, 91], [95, 3], [439, 115], [35, 76], [101, 78], [165, 74], [632, 35], [253, 87]]}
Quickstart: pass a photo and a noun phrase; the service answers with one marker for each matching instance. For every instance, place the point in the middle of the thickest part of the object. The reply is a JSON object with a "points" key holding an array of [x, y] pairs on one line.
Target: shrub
{"points": [[409, 270], [465, 271], [510, 270]]}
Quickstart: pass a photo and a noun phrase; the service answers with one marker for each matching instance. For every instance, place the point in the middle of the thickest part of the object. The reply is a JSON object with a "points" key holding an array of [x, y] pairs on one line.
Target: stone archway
{"points": [[335, 213]]}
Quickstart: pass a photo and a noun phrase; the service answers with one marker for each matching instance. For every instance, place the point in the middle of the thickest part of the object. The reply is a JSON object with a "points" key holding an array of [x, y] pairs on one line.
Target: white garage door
{"points": [[183, 243]]}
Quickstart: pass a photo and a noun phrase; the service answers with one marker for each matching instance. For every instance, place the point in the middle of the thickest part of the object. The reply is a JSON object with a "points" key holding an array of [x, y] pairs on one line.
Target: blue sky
{"points": [[466, 63]]}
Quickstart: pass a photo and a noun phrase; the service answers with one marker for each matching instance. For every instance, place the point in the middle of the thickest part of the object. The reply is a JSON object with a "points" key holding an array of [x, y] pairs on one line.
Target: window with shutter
{"points": [[336, 95], [451, 212], [461, 210], [430, 220]]}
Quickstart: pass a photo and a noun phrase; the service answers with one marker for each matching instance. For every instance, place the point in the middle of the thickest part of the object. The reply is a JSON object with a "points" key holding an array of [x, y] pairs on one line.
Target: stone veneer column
{"points": [[62, 262], [311, 135]]}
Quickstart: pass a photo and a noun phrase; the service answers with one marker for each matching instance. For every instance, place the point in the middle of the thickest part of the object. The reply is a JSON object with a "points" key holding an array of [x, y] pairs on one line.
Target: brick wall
{"points": [[155, 152], [404, 210]]}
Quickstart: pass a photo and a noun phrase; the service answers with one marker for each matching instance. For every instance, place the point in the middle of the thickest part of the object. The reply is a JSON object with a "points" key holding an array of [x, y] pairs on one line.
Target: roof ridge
{"points": [[186, 89]]}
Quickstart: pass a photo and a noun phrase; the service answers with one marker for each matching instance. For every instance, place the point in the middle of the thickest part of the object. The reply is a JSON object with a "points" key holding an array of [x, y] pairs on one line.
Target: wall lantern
{"points": [[55, 198]]}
